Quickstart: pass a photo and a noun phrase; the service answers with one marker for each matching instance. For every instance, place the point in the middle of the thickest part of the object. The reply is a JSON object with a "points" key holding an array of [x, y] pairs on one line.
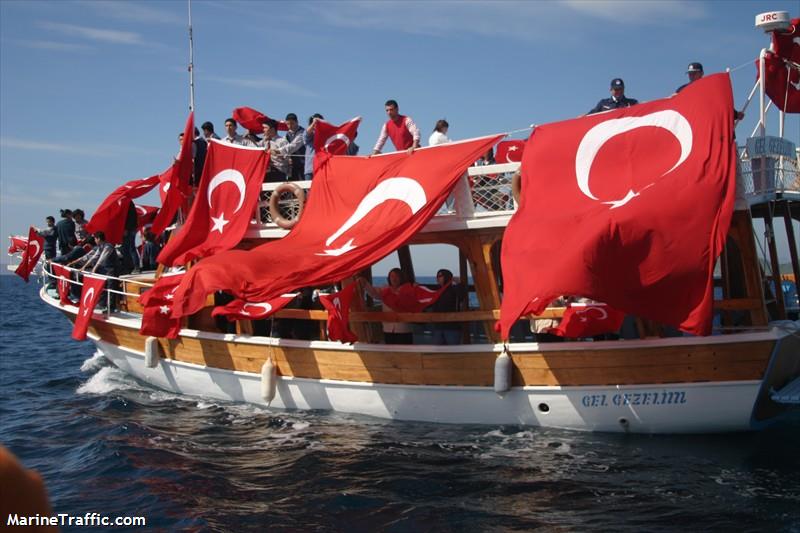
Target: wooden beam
{"points": [[776, 266]]}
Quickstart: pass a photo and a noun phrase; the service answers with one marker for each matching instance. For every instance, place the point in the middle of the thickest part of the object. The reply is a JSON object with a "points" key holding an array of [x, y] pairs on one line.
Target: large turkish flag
{"points": [[90, 294], [224, 205], [241, 310], [360, 209], [30, 255], [157, 302], [335, 139], [629, 207]]}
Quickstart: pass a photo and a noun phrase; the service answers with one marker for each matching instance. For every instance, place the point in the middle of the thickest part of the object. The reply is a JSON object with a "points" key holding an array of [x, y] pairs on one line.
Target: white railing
{"points": [[768, 174]]}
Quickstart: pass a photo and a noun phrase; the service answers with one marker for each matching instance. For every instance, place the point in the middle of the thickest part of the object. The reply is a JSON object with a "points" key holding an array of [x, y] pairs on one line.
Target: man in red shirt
{"points": [[400, 129]]}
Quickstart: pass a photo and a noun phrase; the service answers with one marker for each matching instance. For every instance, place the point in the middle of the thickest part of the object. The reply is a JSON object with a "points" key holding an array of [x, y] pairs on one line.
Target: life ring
{"points": [[516, 186], [274, 211]]}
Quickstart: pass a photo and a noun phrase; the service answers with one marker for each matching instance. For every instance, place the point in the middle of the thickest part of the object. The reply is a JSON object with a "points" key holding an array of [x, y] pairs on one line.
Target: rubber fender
{"points": [[269, 380]]}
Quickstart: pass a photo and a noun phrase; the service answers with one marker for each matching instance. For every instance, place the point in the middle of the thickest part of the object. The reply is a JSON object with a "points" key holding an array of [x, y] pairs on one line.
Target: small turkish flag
{"points": [[30, 256], [64, 274], [157, 302], [242, 310], [587, 320], [111, 215], [335, 139], [18, 244], [225, 202], [338, 306], [509, 151], [145, 214], [409, 298], [253, 120], [92, 289]]}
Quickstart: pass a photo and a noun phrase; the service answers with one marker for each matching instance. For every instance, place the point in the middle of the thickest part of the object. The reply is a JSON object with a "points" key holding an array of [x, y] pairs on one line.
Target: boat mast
{"points": [[191, 61]]}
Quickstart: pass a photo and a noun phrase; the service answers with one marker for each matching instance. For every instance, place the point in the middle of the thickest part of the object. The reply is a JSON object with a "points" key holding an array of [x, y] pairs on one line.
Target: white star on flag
{"points": [[219, 223], [513, 148], [164, 309]]}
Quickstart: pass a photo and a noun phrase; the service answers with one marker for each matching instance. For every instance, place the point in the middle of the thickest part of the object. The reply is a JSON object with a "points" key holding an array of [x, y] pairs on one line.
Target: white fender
{"points": [[502, 372], [269, 380], [151, 352]]}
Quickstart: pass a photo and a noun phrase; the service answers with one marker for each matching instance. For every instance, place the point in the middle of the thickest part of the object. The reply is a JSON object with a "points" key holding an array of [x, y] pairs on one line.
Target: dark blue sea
{"points": [[106, 443]]}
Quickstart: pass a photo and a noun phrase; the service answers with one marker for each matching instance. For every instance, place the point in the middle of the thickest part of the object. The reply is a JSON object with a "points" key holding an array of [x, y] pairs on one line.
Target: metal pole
{"points": [[191, 61]]}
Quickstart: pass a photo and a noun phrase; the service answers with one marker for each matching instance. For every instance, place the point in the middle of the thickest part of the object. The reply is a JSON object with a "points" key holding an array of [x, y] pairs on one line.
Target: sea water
{"points": [[105, 442]]}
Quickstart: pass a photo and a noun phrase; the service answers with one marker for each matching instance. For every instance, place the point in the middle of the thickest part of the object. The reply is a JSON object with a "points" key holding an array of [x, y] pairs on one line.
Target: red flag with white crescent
{"points": [[145, 214], [111, 215], [30, 256], [90, 294], [338, 307], [225, 202], [335, 139], [174, 183], [362, 208], [588, 320], [63, 274], [509, 151], [157, 302], [629, 207], [411, 298], [18, 244], [242, 310]]}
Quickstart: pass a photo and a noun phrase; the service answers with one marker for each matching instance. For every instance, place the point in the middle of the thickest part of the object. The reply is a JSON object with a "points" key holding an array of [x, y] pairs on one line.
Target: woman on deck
{"points": [[393, 298]]}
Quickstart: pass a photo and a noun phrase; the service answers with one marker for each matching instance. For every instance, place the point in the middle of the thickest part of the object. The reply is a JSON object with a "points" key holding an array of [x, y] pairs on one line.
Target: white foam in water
{"points": [[107, 379], [96, 361]]}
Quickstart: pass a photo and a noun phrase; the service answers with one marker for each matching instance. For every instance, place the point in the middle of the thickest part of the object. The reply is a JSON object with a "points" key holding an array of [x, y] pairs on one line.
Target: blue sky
{"points": [[94, 93]]}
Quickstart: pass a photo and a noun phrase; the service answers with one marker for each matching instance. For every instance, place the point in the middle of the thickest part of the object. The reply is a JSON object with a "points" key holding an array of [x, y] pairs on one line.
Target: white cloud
{"points": [[95, 34], [88, 150], [135, 12], [628, 12], [53, 45], [263, 83]]}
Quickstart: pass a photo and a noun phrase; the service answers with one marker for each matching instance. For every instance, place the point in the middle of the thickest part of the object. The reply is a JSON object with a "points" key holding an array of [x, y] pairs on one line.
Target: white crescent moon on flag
{"points": [[141, 209], [603, 313], [232, 175], [406, 190], [36, 253], [337, 137], [508, 154], [597, 136], [265, 306], [88, 296], [166, 186]]}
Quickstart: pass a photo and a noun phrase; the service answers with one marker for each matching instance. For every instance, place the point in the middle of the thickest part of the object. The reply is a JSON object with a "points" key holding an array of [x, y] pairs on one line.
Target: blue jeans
{"points": [[447, 336], [130, 256]]}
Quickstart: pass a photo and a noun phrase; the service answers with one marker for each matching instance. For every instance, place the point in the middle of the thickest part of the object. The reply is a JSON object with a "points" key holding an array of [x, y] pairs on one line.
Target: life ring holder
{"points": [[516, 186], [274, 211]]}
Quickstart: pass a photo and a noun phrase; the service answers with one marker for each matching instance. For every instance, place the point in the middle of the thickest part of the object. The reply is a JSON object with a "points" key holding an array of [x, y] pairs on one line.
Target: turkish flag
{"points": [[174, 182], [588, 320], [90, 294], [30, 256], [253, 120], [782, 81], [18, 244], [111, 215], [242, 310], [157, 302], [338, 306], [145, 214], [509, 151], [360, 209], [629, 207], [410, 298], [63, 274], [335, 139], [225, 202]]}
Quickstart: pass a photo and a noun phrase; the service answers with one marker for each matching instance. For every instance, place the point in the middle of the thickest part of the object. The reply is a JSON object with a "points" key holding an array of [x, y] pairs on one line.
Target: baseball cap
{"points": [[694, 67], [617, 83]]}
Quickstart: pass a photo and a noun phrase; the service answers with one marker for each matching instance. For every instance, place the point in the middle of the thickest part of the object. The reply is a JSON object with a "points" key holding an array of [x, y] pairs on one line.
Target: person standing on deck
{"points": [[208, 131], [393, 332], [296, 149], [50, 237], [449, 302], [230, 133], [439, 135], [617, 100], [308, 139], [400, 129], [79, 217], [65, 232], [695, 72], [278, 155]]}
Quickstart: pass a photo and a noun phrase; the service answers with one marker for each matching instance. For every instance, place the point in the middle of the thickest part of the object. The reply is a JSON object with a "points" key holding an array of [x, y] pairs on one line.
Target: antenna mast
{"points": [[191, 61]]}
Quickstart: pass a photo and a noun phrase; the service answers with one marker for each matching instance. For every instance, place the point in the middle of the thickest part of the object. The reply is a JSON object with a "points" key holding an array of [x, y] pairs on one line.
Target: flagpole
{"points": [[191, 61]]}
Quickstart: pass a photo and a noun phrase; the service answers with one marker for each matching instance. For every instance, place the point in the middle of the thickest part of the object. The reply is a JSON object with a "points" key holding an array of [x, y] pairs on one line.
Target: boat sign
{"points": [[664, 397], [770, 146]]}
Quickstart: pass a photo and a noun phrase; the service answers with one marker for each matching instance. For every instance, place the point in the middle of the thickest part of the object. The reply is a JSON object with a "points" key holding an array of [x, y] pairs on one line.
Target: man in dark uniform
{"points": [[617, 99], [695, 72]]}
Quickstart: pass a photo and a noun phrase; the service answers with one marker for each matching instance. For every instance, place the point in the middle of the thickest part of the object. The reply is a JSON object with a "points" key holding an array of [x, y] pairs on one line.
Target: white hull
{"points": [[673, 408]]}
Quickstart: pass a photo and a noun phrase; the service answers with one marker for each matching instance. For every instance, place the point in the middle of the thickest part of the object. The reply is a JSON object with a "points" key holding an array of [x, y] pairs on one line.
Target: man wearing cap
{"points": [[617, 99], [399, 128], [695, 72], [296, 149]]}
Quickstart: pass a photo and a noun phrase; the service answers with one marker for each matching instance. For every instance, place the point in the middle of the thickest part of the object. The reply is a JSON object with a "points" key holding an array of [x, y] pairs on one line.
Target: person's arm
{"points": [[296, 144], [414, 131], [101, 258], [367, 286], [381, 140]]}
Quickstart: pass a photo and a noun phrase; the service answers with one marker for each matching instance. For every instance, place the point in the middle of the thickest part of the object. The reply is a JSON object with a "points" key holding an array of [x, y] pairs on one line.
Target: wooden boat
{"points": [[743, 377]]}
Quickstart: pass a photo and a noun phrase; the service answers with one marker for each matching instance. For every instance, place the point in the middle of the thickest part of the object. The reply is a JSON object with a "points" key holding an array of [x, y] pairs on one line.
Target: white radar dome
{"points": [[773, 21]]}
